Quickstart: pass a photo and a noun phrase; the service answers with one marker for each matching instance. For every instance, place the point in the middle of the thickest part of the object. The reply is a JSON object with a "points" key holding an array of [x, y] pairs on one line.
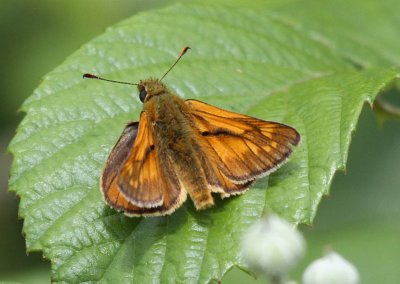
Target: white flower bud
{"points": [[331, 269], [272, 246]]}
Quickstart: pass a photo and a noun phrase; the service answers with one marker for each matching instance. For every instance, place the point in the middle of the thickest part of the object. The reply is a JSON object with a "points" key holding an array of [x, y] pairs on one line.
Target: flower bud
{"points": [[272, 246], [331, 269]]}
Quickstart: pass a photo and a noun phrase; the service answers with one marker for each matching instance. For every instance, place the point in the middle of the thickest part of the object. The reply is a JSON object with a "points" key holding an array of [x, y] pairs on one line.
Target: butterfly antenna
{"points": [[183, 51], [91, 76]]}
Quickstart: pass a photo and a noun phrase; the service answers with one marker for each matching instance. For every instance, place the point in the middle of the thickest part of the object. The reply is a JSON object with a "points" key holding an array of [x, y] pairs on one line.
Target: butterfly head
{"points": [[154, 87], [149, 88]]}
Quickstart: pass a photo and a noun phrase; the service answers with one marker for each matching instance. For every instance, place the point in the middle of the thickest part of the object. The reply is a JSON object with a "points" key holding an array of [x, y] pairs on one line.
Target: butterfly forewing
{"points": [[140, 178], [246, 147], [143, 180], [217, 181]]}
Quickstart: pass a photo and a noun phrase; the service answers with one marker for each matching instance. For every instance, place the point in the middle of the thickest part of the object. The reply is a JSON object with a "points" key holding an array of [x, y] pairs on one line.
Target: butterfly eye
{"points": [[142, 94]]}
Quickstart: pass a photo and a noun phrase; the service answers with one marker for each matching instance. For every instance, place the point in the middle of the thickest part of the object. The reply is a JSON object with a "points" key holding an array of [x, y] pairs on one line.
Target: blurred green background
{"points": [[360, 218]]}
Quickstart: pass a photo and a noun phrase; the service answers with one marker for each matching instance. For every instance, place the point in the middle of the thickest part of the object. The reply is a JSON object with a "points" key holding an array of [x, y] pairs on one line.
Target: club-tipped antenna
{"points": [[91, 76], [183, 51]]}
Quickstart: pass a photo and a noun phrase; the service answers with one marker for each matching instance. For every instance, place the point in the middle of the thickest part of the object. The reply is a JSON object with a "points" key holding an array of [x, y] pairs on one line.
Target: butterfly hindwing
{"points": [[216, 179], [245, 147], [117, 158]]}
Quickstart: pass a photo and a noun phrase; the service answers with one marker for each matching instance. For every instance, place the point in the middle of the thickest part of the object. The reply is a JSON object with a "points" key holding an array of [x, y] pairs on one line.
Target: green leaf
{"points": [[363, 31], [247, 61]]}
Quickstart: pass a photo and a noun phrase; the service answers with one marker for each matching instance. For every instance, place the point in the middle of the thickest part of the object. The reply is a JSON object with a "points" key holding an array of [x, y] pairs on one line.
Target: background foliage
{"points": [[377, 214]]}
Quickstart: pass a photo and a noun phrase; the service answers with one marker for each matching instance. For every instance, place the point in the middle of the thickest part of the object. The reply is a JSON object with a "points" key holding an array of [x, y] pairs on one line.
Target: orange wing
{"points": [[140, 178], [243, 147], [133, 180], [116, 159]]}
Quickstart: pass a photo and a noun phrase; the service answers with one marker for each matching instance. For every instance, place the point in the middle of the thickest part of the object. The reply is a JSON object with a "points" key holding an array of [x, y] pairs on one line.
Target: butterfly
{"points": [[182, 147]]}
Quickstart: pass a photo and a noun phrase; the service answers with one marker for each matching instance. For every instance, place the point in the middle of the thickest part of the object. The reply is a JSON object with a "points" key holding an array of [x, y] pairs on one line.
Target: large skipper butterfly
{"points": [[182, 147]]}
